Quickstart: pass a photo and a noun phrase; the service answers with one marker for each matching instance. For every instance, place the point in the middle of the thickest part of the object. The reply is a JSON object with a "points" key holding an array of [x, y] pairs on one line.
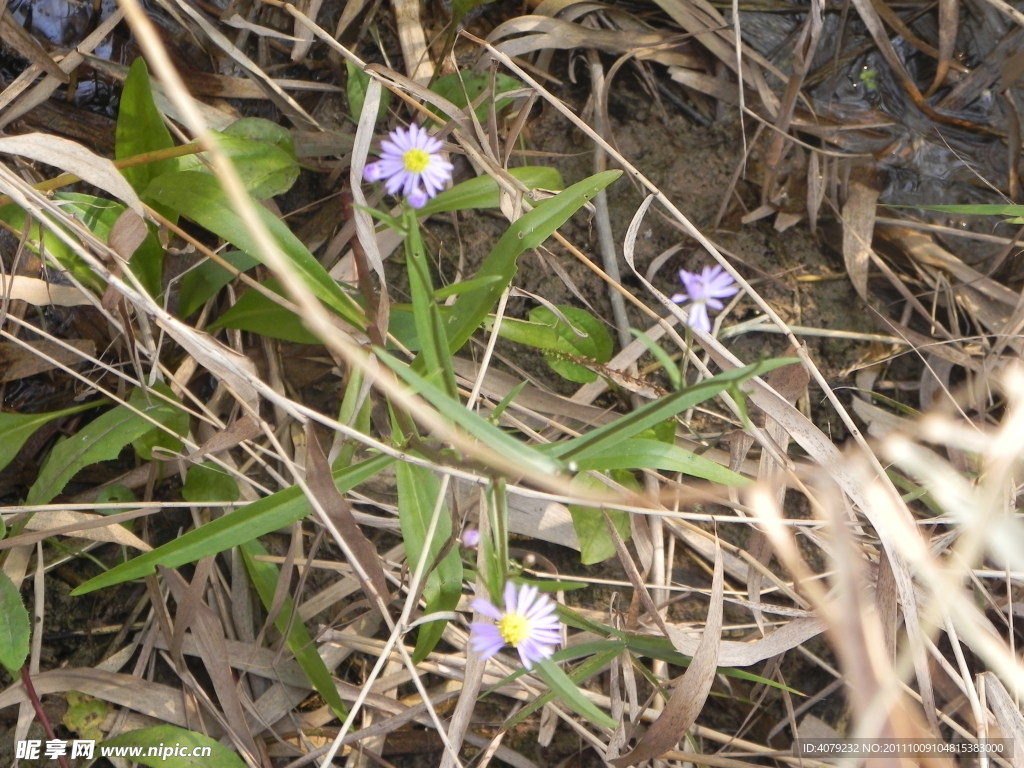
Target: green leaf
{"points": [[99, 215], [257, 313], [355, 89], [199, 197], [480, 428], [596, 544], [175, 422], [642, 453], [418, 490], [657, 411], [15, 627], [201, 284], [141, 129], [464, 87], [208, 482], [595, 346], [482, 192], [430, 329], [172, 741], [530, 231], [265, 577], [246, 524], [263, 154], [100, 440], [17, 428], [571, 696]]}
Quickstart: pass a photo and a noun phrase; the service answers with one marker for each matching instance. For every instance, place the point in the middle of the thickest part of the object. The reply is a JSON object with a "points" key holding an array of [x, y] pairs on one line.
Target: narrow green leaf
{"points": [[17, 428], [642, 453], [530, 231], [265, 577], [176, 747], [571, 696], [482, 191], [652, 413], [430, 330], [199, 197], [418, 490], [100, 440], [478, 427], [245, 524], [15, 627]]}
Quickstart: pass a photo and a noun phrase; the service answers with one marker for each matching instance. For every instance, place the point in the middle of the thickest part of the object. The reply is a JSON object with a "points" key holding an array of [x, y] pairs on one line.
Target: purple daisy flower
{"points": [[528, 624], [410, 162], [704, 290]]}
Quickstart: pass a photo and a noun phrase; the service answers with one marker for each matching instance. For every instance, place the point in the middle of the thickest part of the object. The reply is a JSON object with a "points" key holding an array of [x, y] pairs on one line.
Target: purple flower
{"points": [[528, 624], [471, 538], [703, 291], [410, 162]]}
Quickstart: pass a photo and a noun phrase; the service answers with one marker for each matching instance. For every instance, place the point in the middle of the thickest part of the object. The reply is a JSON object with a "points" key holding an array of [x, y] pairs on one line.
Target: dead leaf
{"points": [[691, 692], [74, 158], [40, 293], [19, 360], [359, 551], [858, 230]]}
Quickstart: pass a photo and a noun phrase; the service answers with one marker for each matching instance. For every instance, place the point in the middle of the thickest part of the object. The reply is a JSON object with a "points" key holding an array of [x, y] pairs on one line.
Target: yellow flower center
{"points": [[416, 160], [515, 628]]}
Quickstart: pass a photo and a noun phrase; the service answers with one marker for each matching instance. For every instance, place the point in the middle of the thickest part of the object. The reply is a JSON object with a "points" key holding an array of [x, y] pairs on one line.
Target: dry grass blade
{"points": [[692, 690]]}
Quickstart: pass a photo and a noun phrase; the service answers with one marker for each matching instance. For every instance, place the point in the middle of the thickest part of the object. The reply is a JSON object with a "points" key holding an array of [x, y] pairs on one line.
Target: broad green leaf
{"points": [[570, 695], [651, 414], [141, 129], [208, 482], [245, 524], [482, 192], [201, 284], [530, 231], [174, 744], [596, 543], [418, 490], [19, 427], [464, 87], [265, 577], [565, 350], [174, 424], [256, 313], [355, 89], [641, 453], [102, 439], [199, 197], [14, 629], [266, 167]]}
